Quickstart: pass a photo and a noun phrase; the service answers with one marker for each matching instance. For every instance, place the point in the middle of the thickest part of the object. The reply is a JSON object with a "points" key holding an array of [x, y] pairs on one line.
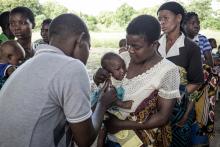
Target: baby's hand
{"points": [[123, 49], [124, 104]]}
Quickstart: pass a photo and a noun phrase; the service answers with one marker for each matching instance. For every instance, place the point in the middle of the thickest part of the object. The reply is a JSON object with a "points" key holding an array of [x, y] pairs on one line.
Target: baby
{"points": [[11, 55], [115, 65]]}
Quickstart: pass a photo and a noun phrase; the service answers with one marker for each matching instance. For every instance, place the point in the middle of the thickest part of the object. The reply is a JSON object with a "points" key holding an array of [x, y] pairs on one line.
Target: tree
{"points": [[124, 14], [34, 5], [106, 18], [201, 7], [91, 21], [51, 9]]}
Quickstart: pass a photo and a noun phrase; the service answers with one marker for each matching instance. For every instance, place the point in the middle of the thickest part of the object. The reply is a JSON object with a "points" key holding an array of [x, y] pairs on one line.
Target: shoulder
{"points": [[190, 45], [202, 37], [168, 64]]}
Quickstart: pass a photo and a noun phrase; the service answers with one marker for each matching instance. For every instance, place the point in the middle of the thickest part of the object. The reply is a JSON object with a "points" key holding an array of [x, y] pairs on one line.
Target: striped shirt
{"points": [[203, 44]]}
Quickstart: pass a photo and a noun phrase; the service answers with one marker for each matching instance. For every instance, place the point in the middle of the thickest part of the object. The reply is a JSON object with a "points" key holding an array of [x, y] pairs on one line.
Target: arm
{"points": [[85, 132], [10, 70], [190, 89], [194, 75], [100, 76], [71, 90], [90, 128], [158, 119], [208, 58]]}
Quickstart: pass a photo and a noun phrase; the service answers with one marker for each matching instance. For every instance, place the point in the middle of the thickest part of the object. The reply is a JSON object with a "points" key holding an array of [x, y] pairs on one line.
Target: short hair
{"points": [[176, 8], [189, 15], [26, 12], [122, 43], [66, 25], [108, 57], [4, 20], [211, 39], [145, 25], [15, 46], [46, 21]]}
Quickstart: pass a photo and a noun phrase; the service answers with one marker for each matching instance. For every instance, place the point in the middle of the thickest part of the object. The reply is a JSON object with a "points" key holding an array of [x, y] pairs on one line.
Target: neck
{"points": [[191, 36], [172, 37], [25, 43], [148, 63]]}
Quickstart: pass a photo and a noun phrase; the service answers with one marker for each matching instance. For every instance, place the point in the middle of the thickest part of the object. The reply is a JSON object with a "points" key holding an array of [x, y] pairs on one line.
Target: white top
{"points": [[164, 77], [174, 50]]}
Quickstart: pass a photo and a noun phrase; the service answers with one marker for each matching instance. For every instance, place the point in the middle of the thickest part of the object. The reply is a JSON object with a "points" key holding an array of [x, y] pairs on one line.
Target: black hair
{"points": [[188, 16], [66, 25], [176, 8], [107, 57], [211, 40], [145, 25], [26, 12], [122, 43], [46, 21], [4, 20]]}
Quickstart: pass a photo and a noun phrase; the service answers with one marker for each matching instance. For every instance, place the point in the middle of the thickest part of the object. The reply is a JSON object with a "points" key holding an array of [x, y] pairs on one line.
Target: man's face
{"points": [[44, 32]]}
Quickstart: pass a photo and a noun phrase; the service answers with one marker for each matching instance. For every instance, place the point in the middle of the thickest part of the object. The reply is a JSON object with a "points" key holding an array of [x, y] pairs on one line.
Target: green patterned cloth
{"points": [[3, 38]]}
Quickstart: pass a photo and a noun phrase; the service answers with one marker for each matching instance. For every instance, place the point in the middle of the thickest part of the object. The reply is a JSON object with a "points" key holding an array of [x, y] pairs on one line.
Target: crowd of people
{"points": [[159, 90]]}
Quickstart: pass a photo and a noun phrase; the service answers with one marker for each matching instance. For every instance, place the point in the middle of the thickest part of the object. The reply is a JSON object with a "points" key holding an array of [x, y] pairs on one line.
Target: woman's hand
{"points": [[112, 124], [100, 76]]}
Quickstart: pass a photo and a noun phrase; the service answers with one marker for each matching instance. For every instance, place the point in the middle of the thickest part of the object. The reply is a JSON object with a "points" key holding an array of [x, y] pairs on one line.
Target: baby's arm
{"points": [[10, 70], [124, 104]]}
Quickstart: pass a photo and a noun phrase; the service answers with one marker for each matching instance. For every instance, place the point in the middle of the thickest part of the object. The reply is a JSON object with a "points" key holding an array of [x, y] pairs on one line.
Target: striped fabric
{"points": [[203, 44]]}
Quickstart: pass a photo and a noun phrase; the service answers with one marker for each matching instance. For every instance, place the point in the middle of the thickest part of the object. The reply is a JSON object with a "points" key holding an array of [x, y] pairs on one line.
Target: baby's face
{"points": [[117, 68], [16, 58]]}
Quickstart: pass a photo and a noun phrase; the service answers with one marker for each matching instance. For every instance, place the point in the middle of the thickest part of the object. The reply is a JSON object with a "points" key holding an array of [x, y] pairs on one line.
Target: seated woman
{"points": [[152, 82]]}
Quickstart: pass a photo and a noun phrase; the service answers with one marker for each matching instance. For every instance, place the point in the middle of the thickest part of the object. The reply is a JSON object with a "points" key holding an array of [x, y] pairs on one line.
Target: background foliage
{"points": [[114, 21]]}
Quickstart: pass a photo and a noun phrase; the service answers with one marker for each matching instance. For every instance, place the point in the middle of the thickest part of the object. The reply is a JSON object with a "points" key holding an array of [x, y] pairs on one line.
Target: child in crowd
{"points": [[11, 54], [212, 42], [122, 45], [4, 23], [115, 65], [44, 33]]}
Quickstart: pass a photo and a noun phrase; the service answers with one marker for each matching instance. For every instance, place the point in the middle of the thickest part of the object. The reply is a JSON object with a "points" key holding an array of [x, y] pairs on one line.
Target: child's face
{"points": [[117, 68], [16, 59], [192, 27], [20, 26], [44, 32], [15, 56]]}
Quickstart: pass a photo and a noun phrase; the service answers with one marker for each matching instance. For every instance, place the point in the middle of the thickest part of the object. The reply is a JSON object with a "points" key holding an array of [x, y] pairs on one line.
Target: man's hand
{"points": [[108, 95]]}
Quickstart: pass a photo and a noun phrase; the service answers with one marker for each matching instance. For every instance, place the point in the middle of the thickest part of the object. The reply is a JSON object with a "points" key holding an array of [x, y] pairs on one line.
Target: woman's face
{"points": [[139, 49], [192, 26], [20, 26], [169, 21]]}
